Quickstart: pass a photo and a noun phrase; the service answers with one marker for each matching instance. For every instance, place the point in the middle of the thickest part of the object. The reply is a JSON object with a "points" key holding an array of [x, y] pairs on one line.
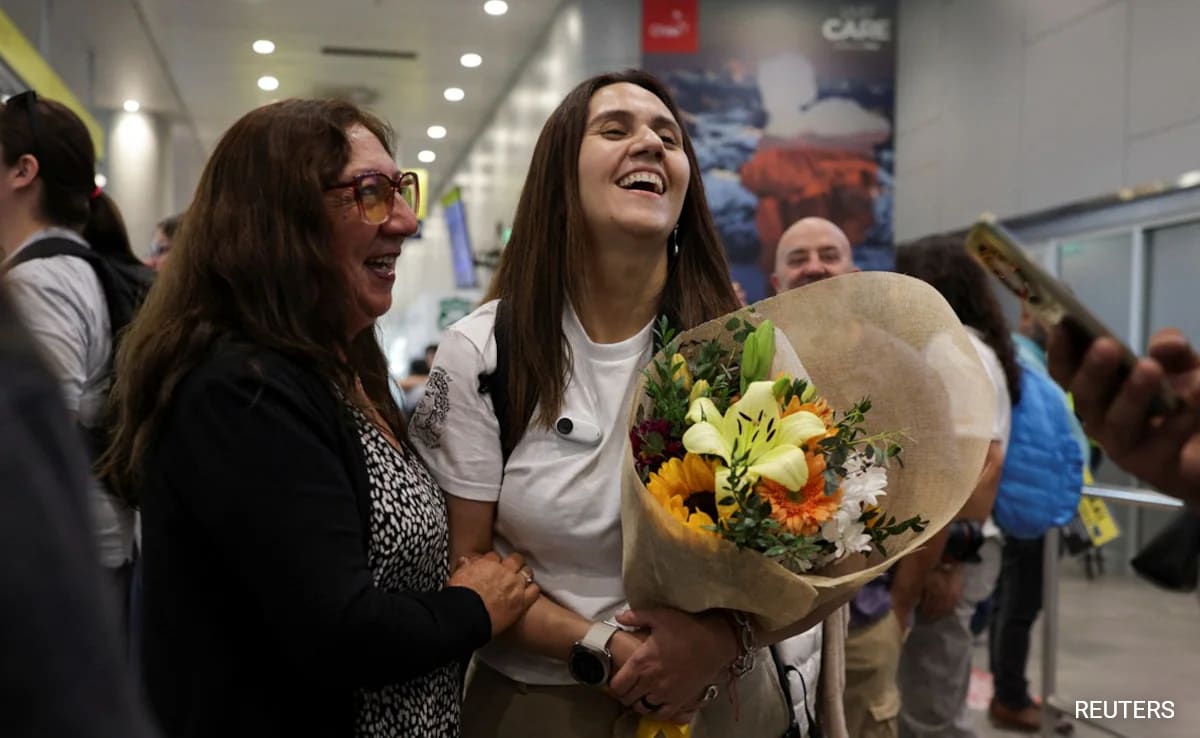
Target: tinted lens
{"points": [[375, 195], [408, 193]]}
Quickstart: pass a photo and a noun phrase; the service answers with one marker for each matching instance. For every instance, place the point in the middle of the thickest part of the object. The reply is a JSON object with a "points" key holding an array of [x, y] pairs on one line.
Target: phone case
{"points": [[1050, 301]]}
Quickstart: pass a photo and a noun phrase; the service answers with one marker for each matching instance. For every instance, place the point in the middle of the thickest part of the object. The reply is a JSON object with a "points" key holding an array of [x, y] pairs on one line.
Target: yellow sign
{"points": [[1101, 528], [32, 69]]}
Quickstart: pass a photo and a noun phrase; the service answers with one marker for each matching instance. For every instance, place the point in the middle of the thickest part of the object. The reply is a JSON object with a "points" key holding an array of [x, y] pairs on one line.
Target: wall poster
{"points": [[791, 106]]}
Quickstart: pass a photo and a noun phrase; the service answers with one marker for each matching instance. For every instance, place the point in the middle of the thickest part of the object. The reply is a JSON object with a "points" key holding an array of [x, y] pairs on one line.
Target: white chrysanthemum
{"points": [[864, 487], [850, 539]]}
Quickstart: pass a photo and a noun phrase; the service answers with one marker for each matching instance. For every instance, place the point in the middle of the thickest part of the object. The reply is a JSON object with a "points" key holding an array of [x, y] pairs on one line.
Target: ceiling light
{"points": [[426, 156], [100, 180], [495, 7], [436, 132], [132, 106], [470, 60], [268, 83], [1189, 179], [263, 46], [454, 94]]}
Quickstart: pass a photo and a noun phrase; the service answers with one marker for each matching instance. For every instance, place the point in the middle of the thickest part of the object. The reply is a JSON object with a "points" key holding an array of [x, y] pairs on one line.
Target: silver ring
{"points": [[528, 574], [710, 694]]}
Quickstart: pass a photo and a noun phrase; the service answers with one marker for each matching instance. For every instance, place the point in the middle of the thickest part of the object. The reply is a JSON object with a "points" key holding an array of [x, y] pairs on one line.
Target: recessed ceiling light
{"points": [[100, 180], [470, 60], [436, 132], [132, 106], [268, 83], [454, 94], [426, 156], [263, 46], [495, 7]]}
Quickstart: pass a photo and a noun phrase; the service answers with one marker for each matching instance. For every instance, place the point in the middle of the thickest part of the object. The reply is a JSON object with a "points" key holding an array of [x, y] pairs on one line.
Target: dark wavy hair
{"points": [[66, 161], [541, 267], [252, 261], [944, 263]]}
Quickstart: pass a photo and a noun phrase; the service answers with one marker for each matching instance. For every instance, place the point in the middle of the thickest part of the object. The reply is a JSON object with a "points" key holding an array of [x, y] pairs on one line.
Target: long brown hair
{"points": [[944, 263], [67, 171], [253, 260], [541, 267]]}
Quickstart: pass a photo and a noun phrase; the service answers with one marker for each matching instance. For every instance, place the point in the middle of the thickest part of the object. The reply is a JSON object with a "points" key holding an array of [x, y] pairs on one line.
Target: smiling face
{"points": [[633, 171], [810, 250], [367, 253]]}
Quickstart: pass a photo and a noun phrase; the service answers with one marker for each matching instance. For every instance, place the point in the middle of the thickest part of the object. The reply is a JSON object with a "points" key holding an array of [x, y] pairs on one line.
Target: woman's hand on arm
{"points": [[506, 586], [544, 627]]}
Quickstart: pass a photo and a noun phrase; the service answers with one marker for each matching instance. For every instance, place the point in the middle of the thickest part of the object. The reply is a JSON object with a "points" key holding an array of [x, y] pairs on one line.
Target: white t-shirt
{"points": [[560, 501], [1003, 422], [63, 305]]}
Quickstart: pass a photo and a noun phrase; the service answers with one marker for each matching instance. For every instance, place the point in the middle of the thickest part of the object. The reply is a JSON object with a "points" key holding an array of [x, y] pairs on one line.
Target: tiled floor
{"points": [[1119, 639]]}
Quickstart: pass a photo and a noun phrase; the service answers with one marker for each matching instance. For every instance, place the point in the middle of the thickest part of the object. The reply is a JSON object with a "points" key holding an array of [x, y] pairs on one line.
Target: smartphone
{"points": [[1048, 299]]}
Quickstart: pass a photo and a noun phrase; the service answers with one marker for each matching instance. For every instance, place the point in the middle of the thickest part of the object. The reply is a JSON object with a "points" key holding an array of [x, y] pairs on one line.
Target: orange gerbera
{"points": [[678, 482], [802, 512], [817, 407]]}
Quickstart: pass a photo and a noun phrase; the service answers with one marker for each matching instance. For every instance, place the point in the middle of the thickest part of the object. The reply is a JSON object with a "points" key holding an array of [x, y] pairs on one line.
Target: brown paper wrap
{"points": [[873, 334]]}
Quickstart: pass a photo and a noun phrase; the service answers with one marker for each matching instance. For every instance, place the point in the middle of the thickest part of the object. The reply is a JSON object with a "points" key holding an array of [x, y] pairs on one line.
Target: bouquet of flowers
{"points": [[758, 483], [762, 461]]}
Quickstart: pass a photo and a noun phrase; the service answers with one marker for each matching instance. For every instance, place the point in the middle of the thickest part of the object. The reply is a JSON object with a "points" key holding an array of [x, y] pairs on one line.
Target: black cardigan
{"points": [[260, 613]]}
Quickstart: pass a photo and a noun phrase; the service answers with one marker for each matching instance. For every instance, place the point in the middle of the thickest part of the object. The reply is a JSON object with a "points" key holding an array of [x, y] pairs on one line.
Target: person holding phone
{"points": [[1118, 408]]}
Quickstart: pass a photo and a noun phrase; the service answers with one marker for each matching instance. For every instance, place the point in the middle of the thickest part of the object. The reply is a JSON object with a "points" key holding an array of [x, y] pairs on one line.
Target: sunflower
{"points": [[802, 512], [684, 488]]}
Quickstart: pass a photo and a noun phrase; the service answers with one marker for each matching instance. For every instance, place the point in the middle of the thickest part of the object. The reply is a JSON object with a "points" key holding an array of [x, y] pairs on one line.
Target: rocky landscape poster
{"points": [[791, 106]]}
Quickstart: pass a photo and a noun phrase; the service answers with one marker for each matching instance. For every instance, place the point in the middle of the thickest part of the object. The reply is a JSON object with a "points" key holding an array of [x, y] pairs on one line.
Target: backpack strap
{"points": [[781, 671], [119, 300], [124, 283], [495, 382]]}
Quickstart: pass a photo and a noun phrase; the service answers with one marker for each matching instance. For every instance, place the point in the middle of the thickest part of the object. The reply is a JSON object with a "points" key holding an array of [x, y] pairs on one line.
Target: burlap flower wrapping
{"points": [[876, 334]]}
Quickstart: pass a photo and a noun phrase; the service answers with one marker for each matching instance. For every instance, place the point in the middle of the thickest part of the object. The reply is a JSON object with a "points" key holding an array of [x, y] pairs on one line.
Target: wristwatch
{"points": [[590, 661]]}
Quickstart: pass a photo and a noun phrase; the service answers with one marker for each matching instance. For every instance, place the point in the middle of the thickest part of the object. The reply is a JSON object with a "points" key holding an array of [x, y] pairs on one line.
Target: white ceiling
{"points": [[191, 60]]}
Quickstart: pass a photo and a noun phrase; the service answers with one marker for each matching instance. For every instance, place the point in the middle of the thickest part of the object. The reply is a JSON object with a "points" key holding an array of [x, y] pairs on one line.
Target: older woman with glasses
{"points": [[297, 577]]}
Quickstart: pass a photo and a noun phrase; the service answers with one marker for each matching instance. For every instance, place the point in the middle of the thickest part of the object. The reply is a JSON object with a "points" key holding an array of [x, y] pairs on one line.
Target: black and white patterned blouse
{"points": [[408, 550]]}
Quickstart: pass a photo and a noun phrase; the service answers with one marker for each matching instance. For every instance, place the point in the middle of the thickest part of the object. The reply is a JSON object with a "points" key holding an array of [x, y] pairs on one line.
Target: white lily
{"points": [[768, 445]]}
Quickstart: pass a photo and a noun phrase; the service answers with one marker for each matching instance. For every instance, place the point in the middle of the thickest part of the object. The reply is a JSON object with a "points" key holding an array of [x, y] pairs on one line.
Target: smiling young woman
{"points": [[611, 232]]}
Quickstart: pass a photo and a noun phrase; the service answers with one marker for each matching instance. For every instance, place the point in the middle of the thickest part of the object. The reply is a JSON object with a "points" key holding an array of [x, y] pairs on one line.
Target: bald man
{"points": [[811, 249]]}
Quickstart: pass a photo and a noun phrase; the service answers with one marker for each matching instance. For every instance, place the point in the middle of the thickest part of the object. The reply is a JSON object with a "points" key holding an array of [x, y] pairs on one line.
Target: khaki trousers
{"points": [[872, 699], [495, 706]]}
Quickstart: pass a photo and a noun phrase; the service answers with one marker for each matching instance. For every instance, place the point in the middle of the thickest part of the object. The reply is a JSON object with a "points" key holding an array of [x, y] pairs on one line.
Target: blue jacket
{"points": [[1043, 468]]}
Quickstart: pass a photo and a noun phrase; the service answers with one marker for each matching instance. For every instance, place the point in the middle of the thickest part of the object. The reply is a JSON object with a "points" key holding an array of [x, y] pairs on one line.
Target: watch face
{"points": [[586, 667]]}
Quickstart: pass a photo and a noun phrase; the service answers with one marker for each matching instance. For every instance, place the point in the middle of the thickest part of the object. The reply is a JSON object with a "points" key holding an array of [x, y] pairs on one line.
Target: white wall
{"points": [[493, 172], [1014, 106], [491, 176], [140, 173]]}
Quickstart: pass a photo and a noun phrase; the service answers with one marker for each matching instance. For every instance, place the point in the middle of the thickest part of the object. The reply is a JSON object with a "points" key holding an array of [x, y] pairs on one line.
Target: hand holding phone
{"points": [[1051, 302]]}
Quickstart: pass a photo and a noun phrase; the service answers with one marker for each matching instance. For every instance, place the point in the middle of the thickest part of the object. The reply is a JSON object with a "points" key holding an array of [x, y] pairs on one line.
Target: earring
{"points": [[675, 241]]}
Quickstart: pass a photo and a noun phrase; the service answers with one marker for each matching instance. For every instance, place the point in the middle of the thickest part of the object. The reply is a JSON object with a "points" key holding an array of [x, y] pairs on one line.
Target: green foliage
{"points": [[881, 529], [667, 393], [879, 449]]}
